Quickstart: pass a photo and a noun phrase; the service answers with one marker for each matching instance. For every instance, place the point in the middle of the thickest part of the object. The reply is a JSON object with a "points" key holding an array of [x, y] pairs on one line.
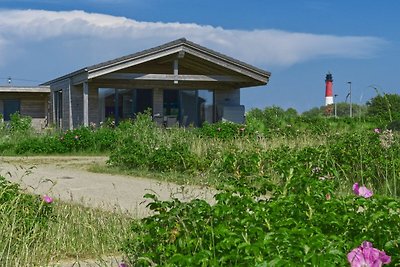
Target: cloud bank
{"points": [[94, 37]]}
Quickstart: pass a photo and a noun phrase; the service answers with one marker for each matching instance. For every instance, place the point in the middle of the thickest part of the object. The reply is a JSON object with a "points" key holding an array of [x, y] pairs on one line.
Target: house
{"points": [[180, 81], [29, 101]]}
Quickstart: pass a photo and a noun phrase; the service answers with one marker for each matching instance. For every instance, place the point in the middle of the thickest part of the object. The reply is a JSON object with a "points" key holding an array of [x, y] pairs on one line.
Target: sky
{"points": [[298, 41]]}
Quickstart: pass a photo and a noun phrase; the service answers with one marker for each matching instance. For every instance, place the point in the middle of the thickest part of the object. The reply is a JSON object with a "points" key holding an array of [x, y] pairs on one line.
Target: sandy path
{"points": [[66, 178]]}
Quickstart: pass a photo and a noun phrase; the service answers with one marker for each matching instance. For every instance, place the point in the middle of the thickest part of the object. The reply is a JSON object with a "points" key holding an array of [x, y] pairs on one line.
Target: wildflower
{"points": [[368, 256], [242, 129], [47, 199], [362, 191], [328, 196], [76, 137], [377, 130], [122, 264], [316, 170], [218, 129], [386, 139]]}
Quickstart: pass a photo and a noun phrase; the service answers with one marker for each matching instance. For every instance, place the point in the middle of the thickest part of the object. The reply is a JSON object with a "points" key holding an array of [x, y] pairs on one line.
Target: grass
{"points": [[75, 232], [171, 176]]}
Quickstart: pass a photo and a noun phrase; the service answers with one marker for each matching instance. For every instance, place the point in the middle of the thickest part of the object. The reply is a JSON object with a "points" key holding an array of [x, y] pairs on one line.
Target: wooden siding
{"points": [[77, 105], [227, 97], [94, 105], [34, 105]]}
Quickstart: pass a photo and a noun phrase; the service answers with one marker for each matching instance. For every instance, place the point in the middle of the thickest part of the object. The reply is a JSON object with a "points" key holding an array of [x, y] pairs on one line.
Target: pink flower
{"points": [[122, 264], [47, 199], [362, 191], [377, 130], [367, 256]]}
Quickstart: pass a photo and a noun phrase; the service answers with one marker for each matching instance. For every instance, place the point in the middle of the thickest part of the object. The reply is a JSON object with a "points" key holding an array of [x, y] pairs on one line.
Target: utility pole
{"points": [[335, 95], [351, 104]]}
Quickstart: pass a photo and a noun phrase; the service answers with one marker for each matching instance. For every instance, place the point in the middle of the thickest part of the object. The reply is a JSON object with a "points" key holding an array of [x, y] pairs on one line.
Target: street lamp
{"points": [[351, 106], [335, 105]]}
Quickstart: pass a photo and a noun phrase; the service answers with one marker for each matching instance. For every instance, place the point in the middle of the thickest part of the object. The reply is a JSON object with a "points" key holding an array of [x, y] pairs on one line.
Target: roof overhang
{"points": [[251, 75], [24, 89]]}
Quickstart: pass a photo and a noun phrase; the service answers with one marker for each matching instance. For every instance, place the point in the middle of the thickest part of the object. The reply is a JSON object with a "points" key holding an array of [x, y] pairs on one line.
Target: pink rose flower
{"points": [[362, 191], [367, 256], [47, 199]]}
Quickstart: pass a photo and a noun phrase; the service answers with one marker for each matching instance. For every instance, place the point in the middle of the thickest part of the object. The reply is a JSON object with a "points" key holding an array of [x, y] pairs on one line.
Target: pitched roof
{"points": [[182, 45]]}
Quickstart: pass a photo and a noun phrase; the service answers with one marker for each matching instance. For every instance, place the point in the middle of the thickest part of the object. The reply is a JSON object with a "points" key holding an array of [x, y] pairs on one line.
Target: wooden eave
{"points": [[24, 89]]}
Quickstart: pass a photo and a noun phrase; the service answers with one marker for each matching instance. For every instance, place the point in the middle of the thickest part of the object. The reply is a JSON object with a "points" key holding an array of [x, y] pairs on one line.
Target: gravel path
{"points": [[66, 178]]}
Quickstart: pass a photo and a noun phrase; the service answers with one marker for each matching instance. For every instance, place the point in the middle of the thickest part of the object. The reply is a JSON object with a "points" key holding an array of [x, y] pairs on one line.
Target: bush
{"points": [[20, 124], [244, 228]]}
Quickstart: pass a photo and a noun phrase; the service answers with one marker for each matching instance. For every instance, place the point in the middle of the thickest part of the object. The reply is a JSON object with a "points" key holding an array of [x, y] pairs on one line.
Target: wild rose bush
{"points": [[249, 227]]}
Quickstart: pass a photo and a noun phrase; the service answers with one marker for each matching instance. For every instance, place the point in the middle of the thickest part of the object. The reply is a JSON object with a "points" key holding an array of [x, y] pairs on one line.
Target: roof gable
{"points": [[206, 59]]}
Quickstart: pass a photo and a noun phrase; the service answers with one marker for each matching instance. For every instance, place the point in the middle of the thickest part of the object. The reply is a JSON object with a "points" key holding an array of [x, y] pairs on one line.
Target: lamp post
{"points": [[351, 106], [335, 95]]}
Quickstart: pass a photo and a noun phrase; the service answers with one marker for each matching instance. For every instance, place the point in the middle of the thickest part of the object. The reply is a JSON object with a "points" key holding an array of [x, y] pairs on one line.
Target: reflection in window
{"points": [[171, 103], [206, 106]]}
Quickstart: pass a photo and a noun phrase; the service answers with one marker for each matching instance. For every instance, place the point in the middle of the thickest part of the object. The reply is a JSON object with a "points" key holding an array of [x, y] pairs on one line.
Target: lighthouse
{"points": [[328, 89]]}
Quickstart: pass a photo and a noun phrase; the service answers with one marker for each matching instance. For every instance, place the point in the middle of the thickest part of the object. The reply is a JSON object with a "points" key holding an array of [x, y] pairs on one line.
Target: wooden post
{"points": [[176, 72], [116, 106], [85, 104], [70, 118]]}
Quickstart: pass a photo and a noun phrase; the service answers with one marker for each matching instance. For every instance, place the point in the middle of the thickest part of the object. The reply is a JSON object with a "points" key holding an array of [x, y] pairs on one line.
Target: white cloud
{"points": [[99, 36]]}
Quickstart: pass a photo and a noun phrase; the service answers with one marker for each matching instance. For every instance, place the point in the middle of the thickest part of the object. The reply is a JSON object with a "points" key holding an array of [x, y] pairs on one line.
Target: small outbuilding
{"points": [[181, 82], [29, 101]]}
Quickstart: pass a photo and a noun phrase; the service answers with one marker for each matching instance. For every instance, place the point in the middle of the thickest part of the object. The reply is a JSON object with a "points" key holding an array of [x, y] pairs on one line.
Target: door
{"points": [[11, 107]]}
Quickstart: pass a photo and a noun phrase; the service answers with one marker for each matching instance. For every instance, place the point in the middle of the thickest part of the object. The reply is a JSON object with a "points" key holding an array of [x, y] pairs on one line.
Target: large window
{"points": [[124, 103], [189, 107]]}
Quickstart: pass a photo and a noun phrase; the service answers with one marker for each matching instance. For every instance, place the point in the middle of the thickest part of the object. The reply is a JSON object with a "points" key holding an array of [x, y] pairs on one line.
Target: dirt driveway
{"points": [[67, 178]]}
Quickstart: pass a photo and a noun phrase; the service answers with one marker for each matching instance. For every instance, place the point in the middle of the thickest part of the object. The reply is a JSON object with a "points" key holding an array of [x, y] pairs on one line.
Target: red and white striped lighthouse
{"points": [[328, 89]]}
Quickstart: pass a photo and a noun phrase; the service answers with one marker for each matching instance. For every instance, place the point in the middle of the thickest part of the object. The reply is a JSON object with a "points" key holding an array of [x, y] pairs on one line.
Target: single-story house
{"points": [[32, 101], [180, 81]]}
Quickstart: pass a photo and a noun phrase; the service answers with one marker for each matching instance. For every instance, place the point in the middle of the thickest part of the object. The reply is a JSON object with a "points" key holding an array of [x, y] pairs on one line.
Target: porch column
{"points": [[158, 102], [116, 106], [70, 117], [85, 104]]}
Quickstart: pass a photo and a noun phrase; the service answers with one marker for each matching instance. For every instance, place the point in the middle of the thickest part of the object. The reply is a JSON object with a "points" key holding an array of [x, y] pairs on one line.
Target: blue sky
{"points": [[299, 41]]}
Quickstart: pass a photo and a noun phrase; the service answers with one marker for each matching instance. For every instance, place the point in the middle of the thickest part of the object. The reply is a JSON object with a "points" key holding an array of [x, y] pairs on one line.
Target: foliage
{"points": [[224, 130], [342, 110], [20, 124], [31, 210], [394, 126], [245, 227], [385, 107], [83, 139]]}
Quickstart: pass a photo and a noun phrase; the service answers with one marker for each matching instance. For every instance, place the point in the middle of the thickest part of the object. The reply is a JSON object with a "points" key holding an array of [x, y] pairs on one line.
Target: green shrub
{"points": [[394, 125], [20, 124], [246, 228], [224, 130]]}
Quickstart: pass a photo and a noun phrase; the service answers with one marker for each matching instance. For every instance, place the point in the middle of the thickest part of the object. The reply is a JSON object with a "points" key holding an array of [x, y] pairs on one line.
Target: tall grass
{"points": [[71, 232]]}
